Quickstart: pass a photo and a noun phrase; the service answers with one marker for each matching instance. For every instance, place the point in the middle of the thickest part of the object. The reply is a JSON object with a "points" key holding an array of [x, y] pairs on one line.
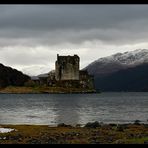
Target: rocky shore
{"points": [[91, 133]]}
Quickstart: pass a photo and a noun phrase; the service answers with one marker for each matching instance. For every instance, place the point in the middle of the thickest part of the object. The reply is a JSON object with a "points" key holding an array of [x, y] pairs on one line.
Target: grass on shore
{"points": [[43, 89], [105, 134]]}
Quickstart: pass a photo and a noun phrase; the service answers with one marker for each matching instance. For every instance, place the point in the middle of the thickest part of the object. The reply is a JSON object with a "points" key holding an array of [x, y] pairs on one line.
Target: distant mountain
{"points": [[10, 76], [44, 75], [116, 62], [126, 71]]}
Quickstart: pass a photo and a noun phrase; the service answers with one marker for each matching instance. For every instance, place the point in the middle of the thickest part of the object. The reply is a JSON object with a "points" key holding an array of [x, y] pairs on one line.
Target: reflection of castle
{"points": [[67, 74]]}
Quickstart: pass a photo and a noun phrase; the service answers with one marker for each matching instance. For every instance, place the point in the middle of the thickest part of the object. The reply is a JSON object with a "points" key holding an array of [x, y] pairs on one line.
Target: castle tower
{"points": [[67, 67]]}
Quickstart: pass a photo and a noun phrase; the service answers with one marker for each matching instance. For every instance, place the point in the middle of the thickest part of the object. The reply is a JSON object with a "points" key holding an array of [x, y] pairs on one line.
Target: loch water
{"points": [[52, 109]]}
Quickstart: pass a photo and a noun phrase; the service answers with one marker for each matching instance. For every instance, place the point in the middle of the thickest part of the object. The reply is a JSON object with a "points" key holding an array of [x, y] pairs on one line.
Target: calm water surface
{"points": [[52, 109]]}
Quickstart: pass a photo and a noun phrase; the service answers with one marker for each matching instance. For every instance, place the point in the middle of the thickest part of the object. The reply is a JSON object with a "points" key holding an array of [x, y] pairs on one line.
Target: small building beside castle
{"points": [[67, 74]]}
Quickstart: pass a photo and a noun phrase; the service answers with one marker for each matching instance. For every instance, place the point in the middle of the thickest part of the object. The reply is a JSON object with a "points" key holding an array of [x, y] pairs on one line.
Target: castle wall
{"points": [[86, 80]]}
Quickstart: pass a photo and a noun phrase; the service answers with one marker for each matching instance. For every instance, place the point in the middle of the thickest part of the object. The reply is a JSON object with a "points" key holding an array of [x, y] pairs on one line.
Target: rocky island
{"points": [[66, 78]]}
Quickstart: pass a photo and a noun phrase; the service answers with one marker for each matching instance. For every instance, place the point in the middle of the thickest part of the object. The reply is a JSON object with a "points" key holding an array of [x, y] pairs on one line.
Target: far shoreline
{"points": [[44, 90]]}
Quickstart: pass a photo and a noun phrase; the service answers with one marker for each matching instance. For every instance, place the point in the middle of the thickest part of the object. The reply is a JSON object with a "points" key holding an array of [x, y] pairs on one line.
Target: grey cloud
{"points": [[58, 37], [68, 16], [53, 24]]}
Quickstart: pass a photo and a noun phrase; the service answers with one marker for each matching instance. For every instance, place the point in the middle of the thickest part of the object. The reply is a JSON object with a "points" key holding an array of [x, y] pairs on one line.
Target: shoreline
{"points": [[44, 90], [91, 133], [52, 93]]}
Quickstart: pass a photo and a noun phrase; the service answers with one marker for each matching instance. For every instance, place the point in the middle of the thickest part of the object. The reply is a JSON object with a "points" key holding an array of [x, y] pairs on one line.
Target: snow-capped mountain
{"points": [[116, 62]]}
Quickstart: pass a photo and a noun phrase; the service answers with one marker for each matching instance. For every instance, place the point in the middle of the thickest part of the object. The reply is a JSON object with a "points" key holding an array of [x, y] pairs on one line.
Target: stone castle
{"points": [[67, 74]]}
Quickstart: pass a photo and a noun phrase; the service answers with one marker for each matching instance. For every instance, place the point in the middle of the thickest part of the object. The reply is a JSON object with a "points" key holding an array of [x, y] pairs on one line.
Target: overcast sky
{"points": [[32, 35]]}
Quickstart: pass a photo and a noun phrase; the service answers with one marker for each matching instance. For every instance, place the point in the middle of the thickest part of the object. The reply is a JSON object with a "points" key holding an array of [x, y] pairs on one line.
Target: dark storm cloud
{"points": [[72, 23], [68, 16]]}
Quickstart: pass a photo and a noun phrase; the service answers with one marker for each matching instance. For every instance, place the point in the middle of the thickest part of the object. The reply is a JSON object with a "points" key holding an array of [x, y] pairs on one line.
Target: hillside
{"points": [[10, 76], [131, 79]]}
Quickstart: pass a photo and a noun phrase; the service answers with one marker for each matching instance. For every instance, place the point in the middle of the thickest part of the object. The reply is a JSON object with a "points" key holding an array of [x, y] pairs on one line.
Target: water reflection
{"points": [[67, 109]]}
